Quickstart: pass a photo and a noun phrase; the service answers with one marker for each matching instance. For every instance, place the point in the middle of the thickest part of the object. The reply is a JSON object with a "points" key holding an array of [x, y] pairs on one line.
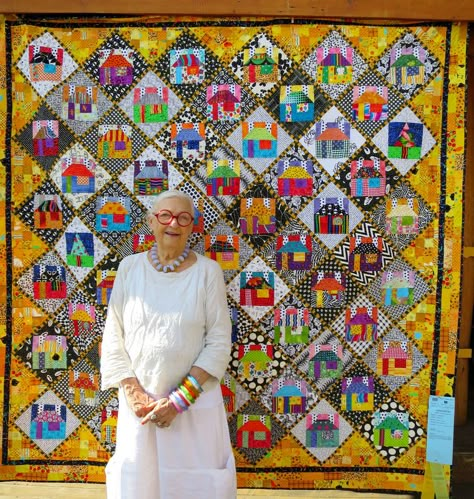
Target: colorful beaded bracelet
{"points": [[191, 388], [178, 403], [185, 393], [182, 389], [194, 382]]}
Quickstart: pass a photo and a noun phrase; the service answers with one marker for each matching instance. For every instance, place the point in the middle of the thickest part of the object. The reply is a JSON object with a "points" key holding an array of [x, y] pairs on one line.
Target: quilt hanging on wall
{"points": [[326, 163]]}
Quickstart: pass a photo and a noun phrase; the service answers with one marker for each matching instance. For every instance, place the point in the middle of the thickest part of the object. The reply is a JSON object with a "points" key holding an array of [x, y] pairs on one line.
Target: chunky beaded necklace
{"points": [[170, 267]]}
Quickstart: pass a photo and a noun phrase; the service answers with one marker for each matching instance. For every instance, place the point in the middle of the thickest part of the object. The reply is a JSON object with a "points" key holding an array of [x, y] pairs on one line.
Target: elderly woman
{"points": [[166, 345]]}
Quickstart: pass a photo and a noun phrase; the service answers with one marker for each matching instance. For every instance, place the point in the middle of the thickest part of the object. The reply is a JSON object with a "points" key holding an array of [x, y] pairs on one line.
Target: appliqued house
{"points": [[116, 68], [254, 432], [407, 67], [150, 177], [83, 388], [105, 283], [293, 252], [291, 326], [257, 216], [357, 394], [45, 138], [368, 178], [391, 429], [112, 215], [49, 352], [257, 289], [322, 430], [48, 212], [188, 140], [114, 142], [402, 216], [228, 389], [223, 249], [108, 426], [260, 140], [142, 242], [295, 178], [398, 288], [365, 254], [48, 422], [329, 289], [198, 224], [325, 361], [370, 103], [46, 63], [405, 140], [223, 102], [77, 178], [297, 103], [333, 140], [255, 360], [261, 65], [82, 317], [331, 215], [187, 66], [49, 281], [223, 177], [80, 103], [394, 358], [361, 324], [79, 249], [150, 104], [289, 397], [334, 65]]}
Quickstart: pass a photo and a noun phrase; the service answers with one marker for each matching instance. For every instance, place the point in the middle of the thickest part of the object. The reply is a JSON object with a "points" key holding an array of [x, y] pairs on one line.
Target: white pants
{"points": [[191, 459]]}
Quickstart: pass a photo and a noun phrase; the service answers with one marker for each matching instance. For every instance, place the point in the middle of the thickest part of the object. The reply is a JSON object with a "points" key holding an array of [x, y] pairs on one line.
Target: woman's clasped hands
{"points": [[160, 412]]}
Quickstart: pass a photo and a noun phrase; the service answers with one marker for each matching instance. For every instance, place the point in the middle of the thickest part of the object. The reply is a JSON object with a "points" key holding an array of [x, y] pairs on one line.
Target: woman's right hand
{"points": [[137, 398]]}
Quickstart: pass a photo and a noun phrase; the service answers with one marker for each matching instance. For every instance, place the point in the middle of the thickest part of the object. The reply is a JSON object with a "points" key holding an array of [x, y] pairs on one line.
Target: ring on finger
{"points": [[153, 417]]}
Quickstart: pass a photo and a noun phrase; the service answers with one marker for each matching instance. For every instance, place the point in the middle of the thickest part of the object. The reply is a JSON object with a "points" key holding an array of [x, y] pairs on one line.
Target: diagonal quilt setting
{"points": [[326, 163]]}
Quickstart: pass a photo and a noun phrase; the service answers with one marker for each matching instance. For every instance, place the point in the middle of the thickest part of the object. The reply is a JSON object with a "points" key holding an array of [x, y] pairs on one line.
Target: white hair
{"points": [[172, 194]]}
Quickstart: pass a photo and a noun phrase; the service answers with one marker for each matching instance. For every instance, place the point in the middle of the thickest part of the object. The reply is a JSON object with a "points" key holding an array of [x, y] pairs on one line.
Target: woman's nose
{"points": [[174, 222]]}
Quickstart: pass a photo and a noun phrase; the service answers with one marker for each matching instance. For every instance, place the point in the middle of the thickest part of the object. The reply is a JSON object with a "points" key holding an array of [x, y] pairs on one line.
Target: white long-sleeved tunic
{"points": [[161, 324]]}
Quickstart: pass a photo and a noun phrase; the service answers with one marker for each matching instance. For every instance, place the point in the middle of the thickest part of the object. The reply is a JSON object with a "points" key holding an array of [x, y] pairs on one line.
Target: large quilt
{"points": [[326, 161]]}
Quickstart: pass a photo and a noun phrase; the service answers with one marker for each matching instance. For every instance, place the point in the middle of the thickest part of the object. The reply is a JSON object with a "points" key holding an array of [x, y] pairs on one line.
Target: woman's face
{"points": [[171, 235]]}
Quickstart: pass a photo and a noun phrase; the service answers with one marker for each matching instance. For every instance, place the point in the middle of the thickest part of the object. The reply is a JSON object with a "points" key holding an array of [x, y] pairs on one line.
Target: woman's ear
{"points": [[149, 219]]}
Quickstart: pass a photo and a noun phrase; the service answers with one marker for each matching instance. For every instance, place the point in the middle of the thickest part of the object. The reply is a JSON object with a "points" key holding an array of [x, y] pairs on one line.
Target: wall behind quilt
{"points": [[326, 162]]}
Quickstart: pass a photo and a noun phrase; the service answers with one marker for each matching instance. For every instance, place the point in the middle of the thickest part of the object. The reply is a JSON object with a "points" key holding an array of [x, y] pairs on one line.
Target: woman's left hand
{"points": [[161, 412]]}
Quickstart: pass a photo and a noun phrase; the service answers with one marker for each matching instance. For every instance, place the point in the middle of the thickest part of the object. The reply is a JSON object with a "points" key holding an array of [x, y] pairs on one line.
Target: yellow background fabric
{"points": [[431, 255]]}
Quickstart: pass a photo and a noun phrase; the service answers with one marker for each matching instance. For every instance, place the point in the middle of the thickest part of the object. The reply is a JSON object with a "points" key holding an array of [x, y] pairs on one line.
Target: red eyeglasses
{"points": [[165, 217]]}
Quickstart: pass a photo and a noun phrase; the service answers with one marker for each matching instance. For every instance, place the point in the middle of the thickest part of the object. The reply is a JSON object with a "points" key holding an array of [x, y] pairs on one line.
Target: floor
{"points": [[21, 490]]}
